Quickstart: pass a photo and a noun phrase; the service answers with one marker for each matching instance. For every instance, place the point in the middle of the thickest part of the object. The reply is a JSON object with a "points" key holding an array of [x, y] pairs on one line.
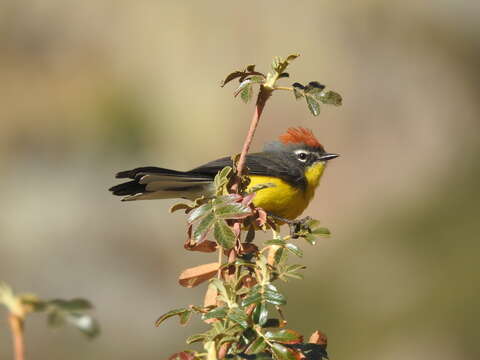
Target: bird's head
{"points": [[300, 145]]}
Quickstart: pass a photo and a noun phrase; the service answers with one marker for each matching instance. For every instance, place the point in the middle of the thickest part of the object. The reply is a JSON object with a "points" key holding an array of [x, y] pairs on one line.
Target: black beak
{"points": [[327, 156]]}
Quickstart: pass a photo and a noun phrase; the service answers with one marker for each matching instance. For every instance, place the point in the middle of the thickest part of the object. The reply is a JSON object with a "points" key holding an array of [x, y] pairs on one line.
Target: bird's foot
{"points": [[297, 227]]}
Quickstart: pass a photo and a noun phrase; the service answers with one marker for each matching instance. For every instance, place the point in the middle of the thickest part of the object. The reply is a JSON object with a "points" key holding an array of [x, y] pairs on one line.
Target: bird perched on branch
{"points": [[292, 166]]}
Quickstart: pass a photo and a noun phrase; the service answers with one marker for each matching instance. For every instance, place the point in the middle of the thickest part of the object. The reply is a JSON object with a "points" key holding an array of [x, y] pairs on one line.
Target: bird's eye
{"points": [[302, 156]]}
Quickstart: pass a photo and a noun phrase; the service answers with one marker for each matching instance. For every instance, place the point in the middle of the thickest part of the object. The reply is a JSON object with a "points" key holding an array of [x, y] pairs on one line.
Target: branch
{"points": [[263, 95], [16, 326]]}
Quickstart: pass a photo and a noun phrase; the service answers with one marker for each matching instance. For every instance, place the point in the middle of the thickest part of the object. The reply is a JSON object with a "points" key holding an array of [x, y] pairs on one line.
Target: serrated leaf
{"points": [[247, 93], [233, 211], [284, 336], [294, 249], [238, 316], [281, 352], [298, 93], [330, 97], [257, 79], [171, 313], [85, 323], [313, 105], [217, 313], [224, 234], [204, 227], [198, 212]]}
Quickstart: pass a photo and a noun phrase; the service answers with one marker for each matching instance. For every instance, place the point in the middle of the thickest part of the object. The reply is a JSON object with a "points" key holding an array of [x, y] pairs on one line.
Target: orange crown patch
{"points": [[299, 136]]}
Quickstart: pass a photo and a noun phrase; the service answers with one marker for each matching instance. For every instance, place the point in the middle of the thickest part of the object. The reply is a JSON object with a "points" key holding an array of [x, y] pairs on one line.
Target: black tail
{"points": [[159, 183]]}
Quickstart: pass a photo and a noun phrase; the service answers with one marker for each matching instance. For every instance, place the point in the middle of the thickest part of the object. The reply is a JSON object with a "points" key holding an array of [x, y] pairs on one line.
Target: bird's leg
{"points": [[295, 225]]}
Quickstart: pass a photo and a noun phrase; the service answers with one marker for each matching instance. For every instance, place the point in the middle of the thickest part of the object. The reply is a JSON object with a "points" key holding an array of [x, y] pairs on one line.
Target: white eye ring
{"points": [[302, 155]]}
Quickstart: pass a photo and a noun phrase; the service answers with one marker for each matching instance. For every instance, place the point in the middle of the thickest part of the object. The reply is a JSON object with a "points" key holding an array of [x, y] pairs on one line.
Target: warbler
{"points": [[292, 166]]}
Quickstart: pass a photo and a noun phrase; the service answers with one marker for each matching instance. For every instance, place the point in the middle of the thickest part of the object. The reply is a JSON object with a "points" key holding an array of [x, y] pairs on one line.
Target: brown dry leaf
{"points": [[194, 276], [205, 246], [318, 338]]}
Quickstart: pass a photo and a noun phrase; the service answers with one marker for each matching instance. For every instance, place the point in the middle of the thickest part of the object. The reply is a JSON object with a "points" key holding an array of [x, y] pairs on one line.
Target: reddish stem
{"points": [[262, 98], [16, 326]]}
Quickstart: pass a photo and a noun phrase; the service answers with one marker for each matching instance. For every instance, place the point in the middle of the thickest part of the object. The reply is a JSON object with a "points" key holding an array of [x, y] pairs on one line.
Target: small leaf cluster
{"points": [[246, 316], [314, 94], [59, 312]]}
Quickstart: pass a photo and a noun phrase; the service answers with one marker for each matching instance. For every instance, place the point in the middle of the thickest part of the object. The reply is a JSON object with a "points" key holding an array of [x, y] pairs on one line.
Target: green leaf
{"points": [[238, 316], [171, 313], [219, 285], [257, 79], [85, 323], [247, 93], [280, 256], [224, 234], [184, 317], [233, 211], [294, 249], [278, 242], [204, 227], [197, 213], [298, 93], [284, 336], [281, 352], [253, 298], [313, 105], [260, 314], [274, 298], [196, 338], [77, 304], [257, 346], [217, 313], [321, 231], [330, 97]]}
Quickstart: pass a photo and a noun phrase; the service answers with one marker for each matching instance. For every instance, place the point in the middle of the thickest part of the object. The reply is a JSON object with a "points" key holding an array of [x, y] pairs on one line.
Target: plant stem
{"points": [[16, 326], [262, 98], [287, 88]]}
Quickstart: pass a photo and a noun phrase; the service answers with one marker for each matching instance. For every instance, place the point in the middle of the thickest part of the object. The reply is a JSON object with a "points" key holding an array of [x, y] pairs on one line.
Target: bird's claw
{"points": [[298, 226]]}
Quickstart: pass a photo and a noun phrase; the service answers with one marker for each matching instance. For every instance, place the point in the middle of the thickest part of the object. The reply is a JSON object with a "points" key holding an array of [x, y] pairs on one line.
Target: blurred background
{"points": [[91, 88]]}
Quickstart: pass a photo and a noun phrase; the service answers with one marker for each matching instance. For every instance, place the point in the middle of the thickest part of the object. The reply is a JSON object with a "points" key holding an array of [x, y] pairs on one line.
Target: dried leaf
{"points": [[205, 246], [184, 355], [318, 338], [194, 276]]}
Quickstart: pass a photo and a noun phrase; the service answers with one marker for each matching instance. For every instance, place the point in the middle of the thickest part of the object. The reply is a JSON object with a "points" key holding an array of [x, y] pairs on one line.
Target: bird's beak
{"points": [[327, 156]]}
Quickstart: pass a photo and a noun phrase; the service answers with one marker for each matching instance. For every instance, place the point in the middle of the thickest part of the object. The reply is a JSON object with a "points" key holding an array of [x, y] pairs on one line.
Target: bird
{"points": [[291, 167]]}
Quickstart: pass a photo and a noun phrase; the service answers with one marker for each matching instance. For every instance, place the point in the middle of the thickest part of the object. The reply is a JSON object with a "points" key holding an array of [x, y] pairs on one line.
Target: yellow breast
{"points": [[283, 199]]}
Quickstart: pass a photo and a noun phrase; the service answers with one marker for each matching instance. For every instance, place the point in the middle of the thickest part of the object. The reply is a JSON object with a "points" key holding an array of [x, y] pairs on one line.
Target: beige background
{"points": [[90, 88]]}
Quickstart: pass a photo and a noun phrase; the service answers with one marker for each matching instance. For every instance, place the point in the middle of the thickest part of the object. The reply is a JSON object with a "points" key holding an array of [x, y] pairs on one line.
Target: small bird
{"points": [[292, 166]]}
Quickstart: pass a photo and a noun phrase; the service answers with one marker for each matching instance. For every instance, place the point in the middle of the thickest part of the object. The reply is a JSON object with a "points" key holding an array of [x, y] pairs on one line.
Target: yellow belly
{"points": [[283, 199]]}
